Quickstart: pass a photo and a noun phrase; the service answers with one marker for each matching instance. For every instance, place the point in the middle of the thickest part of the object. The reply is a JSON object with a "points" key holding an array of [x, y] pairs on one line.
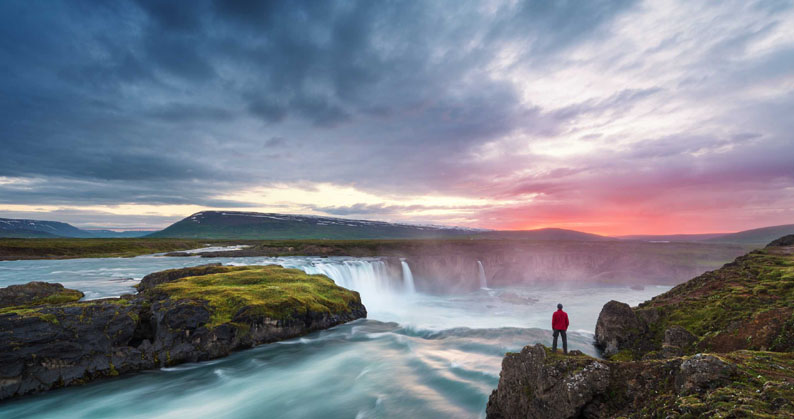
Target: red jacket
{"points": [[559, 321]]}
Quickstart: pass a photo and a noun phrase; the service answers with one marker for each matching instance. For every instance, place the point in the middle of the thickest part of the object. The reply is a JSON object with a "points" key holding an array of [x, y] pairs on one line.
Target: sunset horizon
{"points": [[507, 115]]}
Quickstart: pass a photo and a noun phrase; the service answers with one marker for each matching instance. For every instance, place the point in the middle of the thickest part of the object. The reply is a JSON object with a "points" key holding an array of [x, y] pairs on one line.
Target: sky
{"points": [[611, 117]]}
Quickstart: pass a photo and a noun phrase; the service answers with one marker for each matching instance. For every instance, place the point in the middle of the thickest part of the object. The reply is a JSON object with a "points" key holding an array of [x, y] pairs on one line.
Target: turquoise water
{"points": [[415, 356]]}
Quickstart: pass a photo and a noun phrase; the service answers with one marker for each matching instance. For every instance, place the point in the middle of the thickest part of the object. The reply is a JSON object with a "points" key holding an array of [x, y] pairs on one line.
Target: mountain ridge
{"points": [[43, 229], [262, 226]]}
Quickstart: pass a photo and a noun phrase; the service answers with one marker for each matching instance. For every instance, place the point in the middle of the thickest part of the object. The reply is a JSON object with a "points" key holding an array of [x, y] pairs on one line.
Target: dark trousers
{"points": [[564, 341]]}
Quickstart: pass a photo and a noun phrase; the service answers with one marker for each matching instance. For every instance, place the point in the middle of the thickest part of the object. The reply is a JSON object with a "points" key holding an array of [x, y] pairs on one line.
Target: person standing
{"points": [[559, 323]]}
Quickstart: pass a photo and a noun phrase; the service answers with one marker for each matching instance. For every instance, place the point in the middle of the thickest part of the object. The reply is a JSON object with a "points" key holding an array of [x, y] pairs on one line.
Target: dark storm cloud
{"points": [[145, 90], [162, 102]]}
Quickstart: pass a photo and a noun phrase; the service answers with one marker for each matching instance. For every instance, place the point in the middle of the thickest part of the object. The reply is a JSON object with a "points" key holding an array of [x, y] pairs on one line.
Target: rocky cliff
{"points": [[538, 384], [719, 345], [49, 339], [746, 304]]}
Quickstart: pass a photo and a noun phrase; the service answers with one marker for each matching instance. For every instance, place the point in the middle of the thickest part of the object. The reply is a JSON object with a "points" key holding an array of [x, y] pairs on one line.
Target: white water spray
{"points": [[408, 277], [378, 285], [483, 279]]}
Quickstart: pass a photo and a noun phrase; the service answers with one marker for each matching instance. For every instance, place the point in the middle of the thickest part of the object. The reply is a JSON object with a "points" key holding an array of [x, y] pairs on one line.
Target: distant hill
{"points": [[25, 234], [254, 225], [542, 234], [672, 237], [38, 229], [756, 236], [10, 227], [110, 234]]}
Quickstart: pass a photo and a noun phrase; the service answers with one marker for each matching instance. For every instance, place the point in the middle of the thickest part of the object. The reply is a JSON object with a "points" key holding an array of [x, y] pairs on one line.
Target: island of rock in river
{"points": [[50, 339]]}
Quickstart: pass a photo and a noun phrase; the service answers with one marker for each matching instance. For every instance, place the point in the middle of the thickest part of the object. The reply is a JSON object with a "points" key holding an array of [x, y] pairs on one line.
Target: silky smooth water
{"points": [[416, 355]]}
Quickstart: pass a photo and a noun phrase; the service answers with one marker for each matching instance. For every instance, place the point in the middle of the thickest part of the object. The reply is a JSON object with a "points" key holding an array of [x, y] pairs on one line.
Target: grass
{"points": [[735, 303], [13, 249], [269, 291]]}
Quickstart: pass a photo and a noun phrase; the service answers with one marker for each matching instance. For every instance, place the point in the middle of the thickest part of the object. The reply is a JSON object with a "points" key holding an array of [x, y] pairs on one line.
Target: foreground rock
{"points": [[184, 315], [538, 384], [657, 365]]}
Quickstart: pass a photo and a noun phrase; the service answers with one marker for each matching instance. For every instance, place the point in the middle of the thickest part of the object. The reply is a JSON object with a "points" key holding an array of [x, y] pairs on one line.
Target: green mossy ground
{"points": [[748, 303], [33, 308], [764, 388], [269, 291]]}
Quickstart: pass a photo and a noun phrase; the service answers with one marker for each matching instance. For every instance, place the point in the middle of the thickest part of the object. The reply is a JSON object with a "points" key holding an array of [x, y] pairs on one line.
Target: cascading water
{"points": [[408, 277], [483, 279], [371, 278], [416, 355]]}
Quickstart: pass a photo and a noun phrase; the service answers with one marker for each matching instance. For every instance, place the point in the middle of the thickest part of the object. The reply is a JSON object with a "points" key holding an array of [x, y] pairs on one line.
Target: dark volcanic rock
{"points": [[678, 337], [531, 387], [35, 292], [617, 328], [62, 345], [536, 383], [152, 280], [49, 346], [702, 372]]}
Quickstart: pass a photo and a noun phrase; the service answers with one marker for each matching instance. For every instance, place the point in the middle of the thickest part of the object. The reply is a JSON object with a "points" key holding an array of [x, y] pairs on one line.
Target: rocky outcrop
{"points": [[536, 383], [36, 292], [746, 304], [617, 328], [656, 363], [532, 387], [46, 346], [152, 280]]}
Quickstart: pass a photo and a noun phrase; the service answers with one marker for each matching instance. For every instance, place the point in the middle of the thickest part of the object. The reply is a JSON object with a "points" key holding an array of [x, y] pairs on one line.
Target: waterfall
{"points": [[483, 280], [408, 277], [378, 285]]}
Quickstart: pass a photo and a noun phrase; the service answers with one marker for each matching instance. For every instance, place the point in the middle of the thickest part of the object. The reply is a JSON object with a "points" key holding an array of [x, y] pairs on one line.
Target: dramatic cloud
{"points": [[607, 116]]}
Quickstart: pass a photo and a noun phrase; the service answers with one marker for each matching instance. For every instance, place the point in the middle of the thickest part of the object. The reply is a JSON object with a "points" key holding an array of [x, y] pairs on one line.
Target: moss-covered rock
{"points": [[746, 304], [536, 384], [36, 293], [656, 364], [186, 315]]}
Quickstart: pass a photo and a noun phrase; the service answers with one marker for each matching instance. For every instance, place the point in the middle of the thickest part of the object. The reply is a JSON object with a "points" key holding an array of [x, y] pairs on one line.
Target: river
{"points": [[417, 355]]}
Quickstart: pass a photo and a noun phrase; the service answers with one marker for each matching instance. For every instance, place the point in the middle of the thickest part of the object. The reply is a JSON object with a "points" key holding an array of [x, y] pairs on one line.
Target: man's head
{"points": [[559, 306]]}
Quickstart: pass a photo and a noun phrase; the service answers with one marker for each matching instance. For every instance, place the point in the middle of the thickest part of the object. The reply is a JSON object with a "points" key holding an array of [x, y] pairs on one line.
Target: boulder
{"points": [[703, 372], [618, 327], [678, 337]]}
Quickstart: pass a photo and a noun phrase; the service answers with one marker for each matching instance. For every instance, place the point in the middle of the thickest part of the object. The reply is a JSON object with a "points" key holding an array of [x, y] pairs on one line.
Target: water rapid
{"points": [[417, 355]]}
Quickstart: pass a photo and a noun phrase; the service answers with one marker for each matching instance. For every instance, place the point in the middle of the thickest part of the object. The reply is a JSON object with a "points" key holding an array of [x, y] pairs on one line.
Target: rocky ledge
{"points": [[50, 339], [538, 384], [719, 345], [746, 304]]}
